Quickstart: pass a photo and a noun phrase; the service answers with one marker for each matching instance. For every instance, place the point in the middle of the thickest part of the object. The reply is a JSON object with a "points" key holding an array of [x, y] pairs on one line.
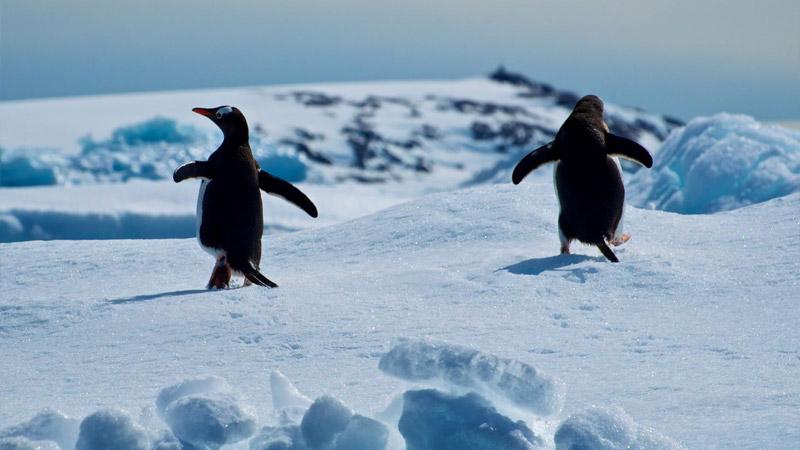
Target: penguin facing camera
{"points": [[230, 220]]}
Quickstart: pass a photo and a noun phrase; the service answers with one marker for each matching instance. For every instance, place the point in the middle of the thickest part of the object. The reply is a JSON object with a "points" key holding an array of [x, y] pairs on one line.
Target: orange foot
{"points": [[221, 276], [617, 241]]}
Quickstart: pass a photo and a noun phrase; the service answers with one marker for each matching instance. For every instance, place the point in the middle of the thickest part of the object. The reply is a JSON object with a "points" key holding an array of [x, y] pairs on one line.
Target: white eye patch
{"points": [[223, 111]]}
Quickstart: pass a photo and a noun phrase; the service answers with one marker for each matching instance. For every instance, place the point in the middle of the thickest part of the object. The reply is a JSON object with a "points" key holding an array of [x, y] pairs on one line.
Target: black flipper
{"points": [[282, 188], [255, 277], [606, 251], [542, 155], [194, 169], [628, 149]]}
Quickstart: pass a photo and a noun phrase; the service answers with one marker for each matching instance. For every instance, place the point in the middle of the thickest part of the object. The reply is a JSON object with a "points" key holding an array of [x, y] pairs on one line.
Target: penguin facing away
{"points": [[229, 210], [587, 180]]}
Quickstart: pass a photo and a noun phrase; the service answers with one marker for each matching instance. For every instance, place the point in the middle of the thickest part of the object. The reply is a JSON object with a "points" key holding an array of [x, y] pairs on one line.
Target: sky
{"points": [[677, 57]]}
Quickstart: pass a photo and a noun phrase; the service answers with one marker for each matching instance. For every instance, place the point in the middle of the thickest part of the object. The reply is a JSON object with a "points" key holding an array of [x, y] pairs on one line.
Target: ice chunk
{"points": [[284, 394], [515, 381], [433, 420], [47, 425], [608, 429], [209, 423], [288, 167], [719, 163], [278, 438], [191, 386], [203, 413], [362, 433], [20, 443], [166, 441], [157, 129], [111, 428], [325, 418], [27, 168]]}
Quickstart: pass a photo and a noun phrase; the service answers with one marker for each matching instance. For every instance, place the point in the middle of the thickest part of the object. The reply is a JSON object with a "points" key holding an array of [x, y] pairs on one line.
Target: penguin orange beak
{"points": [[204, 112]]}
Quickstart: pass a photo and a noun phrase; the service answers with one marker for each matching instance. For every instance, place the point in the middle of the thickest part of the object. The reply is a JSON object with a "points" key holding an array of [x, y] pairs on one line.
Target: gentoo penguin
{"points": [[229, 214], [588, 181]]}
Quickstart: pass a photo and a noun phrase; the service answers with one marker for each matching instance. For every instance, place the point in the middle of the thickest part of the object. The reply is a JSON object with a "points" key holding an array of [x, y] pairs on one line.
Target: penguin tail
{"points": [[606, 251], [254, 276]]}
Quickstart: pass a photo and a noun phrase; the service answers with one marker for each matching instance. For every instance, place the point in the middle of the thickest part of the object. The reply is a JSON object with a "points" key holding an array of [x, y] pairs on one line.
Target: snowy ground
{"points": [[693, 334]]}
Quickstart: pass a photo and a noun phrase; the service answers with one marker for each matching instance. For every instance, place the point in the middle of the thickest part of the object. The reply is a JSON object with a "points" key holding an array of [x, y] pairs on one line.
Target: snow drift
{"points": [[608, 429], [719, 163], [465, 368], [433, 420]]}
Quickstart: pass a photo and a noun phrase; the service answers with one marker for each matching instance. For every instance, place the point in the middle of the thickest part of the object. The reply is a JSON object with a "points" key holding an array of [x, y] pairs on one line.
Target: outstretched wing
{"points": [[542, 155], [194, 169], [282, 188], [628, 149]]}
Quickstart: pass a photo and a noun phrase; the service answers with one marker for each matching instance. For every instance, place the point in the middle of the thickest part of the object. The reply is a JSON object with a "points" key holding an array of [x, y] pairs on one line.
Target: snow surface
{"points": [[719, 163], [694, 334]]}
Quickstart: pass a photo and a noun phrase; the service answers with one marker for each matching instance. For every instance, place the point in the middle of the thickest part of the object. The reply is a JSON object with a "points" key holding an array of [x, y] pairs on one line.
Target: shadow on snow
{"points": [[148, 297], [536, 266]]}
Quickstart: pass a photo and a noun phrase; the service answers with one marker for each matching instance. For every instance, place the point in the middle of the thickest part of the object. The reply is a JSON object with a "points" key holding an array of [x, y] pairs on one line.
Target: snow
{"points": [[719, 163], [463, 367], [418, 314], [608, 429], [693, 334], [433, 420], [284, 394]]}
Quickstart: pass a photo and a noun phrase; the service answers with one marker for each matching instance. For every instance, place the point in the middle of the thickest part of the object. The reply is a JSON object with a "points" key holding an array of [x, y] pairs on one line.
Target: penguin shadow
{"points": [[557, 263], [150, 297]]}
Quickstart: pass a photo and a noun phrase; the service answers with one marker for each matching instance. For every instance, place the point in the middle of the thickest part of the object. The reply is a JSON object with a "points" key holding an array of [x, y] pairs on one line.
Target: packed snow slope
{"points": [[693, 334]]}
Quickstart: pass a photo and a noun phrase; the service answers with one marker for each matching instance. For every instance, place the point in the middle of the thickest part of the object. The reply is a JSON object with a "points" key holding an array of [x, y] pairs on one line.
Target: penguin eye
{"points": [[223, 111]]}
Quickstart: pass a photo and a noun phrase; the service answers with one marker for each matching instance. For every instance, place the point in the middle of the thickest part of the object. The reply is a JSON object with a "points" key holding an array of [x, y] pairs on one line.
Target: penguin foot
{"points": [[565, 249], [220, 277], [619, 240]]}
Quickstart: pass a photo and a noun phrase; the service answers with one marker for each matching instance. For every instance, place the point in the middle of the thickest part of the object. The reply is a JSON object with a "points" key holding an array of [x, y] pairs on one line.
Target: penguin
{"points": [[229, 211], [587, 179]]}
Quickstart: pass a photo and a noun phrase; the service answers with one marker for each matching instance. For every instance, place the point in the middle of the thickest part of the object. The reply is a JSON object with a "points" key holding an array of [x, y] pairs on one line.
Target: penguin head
{"points": [[583, 135], [589, 105], [228, 118]]}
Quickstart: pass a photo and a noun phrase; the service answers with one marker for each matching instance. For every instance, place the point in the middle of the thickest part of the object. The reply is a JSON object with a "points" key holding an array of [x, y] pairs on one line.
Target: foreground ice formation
{"points": [[48, 425], [462, 367], [719, 163], [21, 443], [199, 412], [608, 429], [110, 428], [433, 420]]}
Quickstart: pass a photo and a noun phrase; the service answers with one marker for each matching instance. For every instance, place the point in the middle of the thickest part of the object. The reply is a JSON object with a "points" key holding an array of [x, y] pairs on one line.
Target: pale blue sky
{"points": [[677, 57]]}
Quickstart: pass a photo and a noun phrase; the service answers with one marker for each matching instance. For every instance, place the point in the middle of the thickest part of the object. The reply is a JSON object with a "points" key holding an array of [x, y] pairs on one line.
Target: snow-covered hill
{"points": [[368, 132], [693, 334]]}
